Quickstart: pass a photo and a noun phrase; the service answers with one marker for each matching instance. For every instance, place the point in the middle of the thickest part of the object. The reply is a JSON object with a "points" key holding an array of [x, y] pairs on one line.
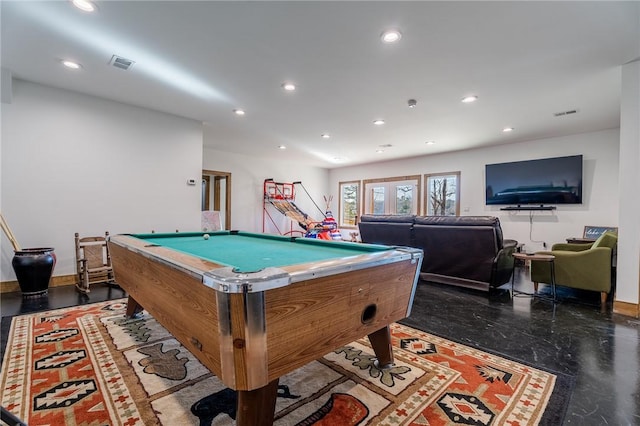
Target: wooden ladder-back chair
{"points": [[93, 261]]}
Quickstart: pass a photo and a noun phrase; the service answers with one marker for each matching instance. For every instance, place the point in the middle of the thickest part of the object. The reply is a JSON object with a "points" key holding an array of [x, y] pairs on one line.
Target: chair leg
{"points": [[603, 298], [83, 286], [80, 287], [535, 286]]}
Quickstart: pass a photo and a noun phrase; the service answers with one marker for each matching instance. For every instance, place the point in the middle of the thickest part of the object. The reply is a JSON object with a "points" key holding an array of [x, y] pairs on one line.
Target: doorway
{"points": [[216, 195], [398, 195]]}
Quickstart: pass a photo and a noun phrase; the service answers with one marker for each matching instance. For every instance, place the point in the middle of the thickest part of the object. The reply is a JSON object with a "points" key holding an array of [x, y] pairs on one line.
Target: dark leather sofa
{"points": [[467, 251]]}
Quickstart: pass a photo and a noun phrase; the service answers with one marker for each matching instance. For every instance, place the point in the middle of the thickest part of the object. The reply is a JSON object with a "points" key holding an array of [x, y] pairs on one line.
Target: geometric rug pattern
{"points": [[89, 365]]}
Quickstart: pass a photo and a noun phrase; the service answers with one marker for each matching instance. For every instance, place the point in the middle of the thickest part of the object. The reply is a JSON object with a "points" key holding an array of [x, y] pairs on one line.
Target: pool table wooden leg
{"points": [[257, 407], [133, 308], [381, 344]]}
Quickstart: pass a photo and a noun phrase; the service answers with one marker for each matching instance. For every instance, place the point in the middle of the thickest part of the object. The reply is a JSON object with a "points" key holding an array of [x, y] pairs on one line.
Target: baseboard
{"points": [[59, 281], [626, 308]]}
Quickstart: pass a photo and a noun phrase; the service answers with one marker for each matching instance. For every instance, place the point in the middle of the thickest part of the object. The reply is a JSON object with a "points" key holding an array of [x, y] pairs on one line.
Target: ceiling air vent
{"points": [[120, 62], [560, 114]]}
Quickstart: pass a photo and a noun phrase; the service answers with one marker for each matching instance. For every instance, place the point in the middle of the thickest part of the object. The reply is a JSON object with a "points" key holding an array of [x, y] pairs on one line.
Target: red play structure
{"points": [[281, 197]]}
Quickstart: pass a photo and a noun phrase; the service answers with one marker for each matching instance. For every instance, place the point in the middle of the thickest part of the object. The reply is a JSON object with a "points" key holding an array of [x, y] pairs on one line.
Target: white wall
{"points": [[76, 163], [600, 186], [629, 244], [247, 178]]}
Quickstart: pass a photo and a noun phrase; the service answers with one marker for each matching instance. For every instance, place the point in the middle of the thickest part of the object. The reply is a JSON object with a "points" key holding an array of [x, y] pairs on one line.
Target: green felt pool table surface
{"points": [[248, 252]]}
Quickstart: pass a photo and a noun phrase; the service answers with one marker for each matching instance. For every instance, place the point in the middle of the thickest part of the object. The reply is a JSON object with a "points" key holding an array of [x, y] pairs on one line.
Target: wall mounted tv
{"points": [[544, 181]]}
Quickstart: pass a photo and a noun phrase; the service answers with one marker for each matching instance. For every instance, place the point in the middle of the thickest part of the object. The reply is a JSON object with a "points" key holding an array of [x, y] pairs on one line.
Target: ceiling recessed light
{"points": [[378, 122], [84, 5], [379, 151], [469, 99], [430, 142], [390, 36], [412, 103], [282, 147], [325, 136], [289, 87], [508, 129], [239, 111], [71, 64]]}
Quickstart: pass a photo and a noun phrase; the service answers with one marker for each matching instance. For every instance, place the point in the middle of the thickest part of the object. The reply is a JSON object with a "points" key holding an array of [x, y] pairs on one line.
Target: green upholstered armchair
{"points": [[582, 266]]}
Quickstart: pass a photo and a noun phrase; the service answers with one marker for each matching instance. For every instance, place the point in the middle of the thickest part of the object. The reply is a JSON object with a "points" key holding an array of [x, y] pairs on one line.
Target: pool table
{"points": [[253, 307]]}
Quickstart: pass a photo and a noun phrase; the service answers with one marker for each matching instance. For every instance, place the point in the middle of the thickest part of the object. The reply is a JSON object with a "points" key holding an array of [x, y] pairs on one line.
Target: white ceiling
{"points": [[202, 59]]}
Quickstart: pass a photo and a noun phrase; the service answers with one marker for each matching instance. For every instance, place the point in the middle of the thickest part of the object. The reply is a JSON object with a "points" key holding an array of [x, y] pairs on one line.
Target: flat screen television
{"points": [[544, 181]]}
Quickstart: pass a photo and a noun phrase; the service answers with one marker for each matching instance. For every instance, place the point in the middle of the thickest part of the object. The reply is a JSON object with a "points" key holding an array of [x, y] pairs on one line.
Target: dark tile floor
{"points": [[599, 350]]}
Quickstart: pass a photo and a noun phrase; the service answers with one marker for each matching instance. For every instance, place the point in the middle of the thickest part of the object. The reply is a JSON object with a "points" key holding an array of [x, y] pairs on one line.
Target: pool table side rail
{"points": [[227, 281], [192, 265], [222, 278]]}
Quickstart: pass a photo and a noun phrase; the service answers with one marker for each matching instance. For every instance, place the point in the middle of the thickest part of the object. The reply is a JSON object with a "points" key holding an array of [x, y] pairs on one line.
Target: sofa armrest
{"points": [[570, 247], [509, 243], [504, 263], [394, 230]]}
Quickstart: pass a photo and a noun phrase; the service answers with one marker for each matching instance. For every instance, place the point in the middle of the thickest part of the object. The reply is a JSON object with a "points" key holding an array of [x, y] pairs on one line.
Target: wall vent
{"points": [[120, 62], [560, 114]]}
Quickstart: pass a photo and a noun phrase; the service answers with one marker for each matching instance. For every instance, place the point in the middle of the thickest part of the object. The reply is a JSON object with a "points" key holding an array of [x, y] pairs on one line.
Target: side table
{"points": [[539, 258]]}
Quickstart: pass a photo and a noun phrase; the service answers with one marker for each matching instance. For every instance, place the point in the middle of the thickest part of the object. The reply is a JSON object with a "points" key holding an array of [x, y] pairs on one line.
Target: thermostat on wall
{"points": [[191, 181]]}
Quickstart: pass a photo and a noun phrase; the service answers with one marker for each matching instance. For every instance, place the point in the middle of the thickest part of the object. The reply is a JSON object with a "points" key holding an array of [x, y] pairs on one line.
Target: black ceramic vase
{"points": [[33, 268]]}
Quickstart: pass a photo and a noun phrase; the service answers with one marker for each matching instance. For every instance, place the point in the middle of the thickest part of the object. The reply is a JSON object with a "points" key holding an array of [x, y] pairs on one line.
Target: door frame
{"points": [[409, 178], [227, 207]]}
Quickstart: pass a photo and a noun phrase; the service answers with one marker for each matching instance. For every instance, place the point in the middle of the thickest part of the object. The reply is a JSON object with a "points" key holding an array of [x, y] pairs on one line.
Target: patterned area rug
{"points": [[89, 365]]}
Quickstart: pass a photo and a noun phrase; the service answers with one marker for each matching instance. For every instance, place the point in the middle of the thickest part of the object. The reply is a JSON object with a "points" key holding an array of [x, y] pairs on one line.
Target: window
{"points": [[349, 204], [404, 199], [378, 205], [398, 195], [442, 194]]}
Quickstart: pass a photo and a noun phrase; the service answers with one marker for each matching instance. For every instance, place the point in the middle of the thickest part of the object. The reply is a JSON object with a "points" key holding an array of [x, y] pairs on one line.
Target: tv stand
{"points": [[540, 207]]}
